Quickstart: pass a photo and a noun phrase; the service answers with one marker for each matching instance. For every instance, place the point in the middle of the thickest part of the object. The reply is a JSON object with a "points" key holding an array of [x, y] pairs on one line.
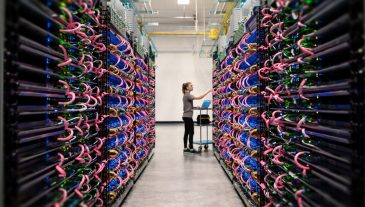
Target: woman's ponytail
{"points": [[185, 87]]}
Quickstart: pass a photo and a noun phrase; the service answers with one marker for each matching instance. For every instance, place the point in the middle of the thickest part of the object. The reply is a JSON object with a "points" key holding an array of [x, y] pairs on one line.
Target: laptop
{"points": [[206, 103]]}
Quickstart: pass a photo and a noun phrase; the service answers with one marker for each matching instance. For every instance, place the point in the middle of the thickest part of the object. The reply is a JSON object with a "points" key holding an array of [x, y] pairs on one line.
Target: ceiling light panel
{"points": [[183, 2]]}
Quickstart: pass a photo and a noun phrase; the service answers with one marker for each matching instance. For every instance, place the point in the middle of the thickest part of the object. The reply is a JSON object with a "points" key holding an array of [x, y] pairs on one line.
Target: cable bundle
{"points": [[237, 103], [299, 82], [79, 105], [309, 94]]}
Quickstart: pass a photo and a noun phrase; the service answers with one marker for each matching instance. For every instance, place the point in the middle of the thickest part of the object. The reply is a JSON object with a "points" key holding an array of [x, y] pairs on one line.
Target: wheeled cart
{"points": [[206, 142]]}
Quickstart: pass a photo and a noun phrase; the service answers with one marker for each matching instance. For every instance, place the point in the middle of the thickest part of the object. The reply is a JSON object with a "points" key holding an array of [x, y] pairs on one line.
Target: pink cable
{"points": [[304, 49], [85, 68], [80, 120], [65, 122], [122, 41], [101, 202], [300, 24], [90, 57], [65, 55], [95, 37], [68, 62], [100, 64], [87, 126], [298, 198], [243, 163], [287, 90], [70, 19], [266, 16], [87, 154], [63, 198], [275, 120], [278, 127], [87, 88], [277, 155], [277, 36], [77, 190], [100, 46], [266, 152], [267, 121], [274, 95], [67, 86], [78, 27], [94, 104], [73, 97], [300, 123], [304, 133], [263, 70], [269, 204], [62, 172], [98, 147], [80, 130], [278, 184], [79, 157], [304, 168], [81, 59], [300, 89], [100, 168], [68, 137], [84, 7], [91, 66], [85, 39], [88, 99]]}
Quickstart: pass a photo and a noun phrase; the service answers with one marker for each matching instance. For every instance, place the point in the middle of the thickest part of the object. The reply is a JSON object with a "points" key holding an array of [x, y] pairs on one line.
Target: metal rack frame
{"points": [[2, 33], [207, 142]]}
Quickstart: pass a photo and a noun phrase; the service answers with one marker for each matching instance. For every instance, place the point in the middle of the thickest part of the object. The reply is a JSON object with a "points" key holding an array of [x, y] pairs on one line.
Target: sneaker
{"points": [[192, 150], [186, 150]]}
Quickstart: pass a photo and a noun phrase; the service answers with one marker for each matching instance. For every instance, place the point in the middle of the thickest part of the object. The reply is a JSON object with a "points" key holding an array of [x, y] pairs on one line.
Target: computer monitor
{"points": [[206, 103]]}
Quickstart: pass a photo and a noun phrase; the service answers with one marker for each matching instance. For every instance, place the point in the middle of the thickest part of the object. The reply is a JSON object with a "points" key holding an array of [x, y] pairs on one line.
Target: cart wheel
{"points": [[206, 147], [200, 148]]}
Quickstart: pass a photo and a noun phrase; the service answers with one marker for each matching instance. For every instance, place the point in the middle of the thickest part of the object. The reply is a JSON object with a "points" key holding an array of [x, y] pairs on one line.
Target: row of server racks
{"points": [[288, 105], [78, 110]]}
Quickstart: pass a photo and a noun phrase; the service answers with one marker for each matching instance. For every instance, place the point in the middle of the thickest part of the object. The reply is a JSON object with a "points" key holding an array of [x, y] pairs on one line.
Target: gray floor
{"points": [[173, 179]]}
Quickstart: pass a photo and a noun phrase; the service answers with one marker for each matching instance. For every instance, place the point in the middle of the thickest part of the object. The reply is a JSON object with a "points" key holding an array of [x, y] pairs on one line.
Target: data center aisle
{"points": [[173, 179]]}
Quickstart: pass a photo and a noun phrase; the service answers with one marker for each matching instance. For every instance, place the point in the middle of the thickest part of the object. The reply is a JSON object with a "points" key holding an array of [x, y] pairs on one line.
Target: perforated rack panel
{"points": [[309, 78], [79, 117]]}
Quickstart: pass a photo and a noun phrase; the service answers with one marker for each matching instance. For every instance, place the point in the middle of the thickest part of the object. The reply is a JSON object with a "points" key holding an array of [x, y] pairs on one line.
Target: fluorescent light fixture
{"points": [[183, 2], [155, 24], [184, 17], [214, 23]]}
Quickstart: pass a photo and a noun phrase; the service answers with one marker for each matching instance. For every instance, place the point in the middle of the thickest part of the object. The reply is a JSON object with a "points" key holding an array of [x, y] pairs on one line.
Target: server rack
{"points": [[2, 33], [311, 76], [58, 99]]}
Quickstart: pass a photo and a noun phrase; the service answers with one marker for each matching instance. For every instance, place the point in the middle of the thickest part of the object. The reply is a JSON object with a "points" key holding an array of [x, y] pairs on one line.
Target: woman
{"points": [[188, 115]]}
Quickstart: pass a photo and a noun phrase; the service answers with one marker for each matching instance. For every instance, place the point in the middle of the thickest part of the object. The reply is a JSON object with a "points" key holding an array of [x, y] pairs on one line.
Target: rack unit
{"points": [[237, 104], [310, 73], [79, 112]]}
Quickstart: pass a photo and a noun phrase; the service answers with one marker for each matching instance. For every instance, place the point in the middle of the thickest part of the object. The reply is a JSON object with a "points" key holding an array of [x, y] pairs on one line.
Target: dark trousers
{"points": [[189, 132]]}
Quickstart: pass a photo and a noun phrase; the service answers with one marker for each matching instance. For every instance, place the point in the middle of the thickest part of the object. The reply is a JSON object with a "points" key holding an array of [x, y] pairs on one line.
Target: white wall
{"points": [[177, 62], [173, 69]]}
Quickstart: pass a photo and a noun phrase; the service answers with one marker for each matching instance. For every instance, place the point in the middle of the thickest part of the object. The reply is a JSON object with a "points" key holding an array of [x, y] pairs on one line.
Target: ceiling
{"points": [[176, 19], [173, 17]]}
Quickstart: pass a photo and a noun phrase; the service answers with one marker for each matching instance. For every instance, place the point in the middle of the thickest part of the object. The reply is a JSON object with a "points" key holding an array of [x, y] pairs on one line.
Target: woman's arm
{"points": [[202, 96]]}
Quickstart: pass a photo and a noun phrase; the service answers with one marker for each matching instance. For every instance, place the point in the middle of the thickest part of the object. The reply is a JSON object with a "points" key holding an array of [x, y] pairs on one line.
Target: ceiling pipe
{"points": [[216, 8], [196, 15], [204, 19], [226, 18], [149, 3], [145, 7]]}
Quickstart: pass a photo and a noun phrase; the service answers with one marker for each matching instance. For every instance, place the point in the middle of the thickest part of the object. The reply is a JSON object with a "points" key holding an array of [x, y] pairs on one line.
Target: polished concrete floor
{"points": [[175, 179]]}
